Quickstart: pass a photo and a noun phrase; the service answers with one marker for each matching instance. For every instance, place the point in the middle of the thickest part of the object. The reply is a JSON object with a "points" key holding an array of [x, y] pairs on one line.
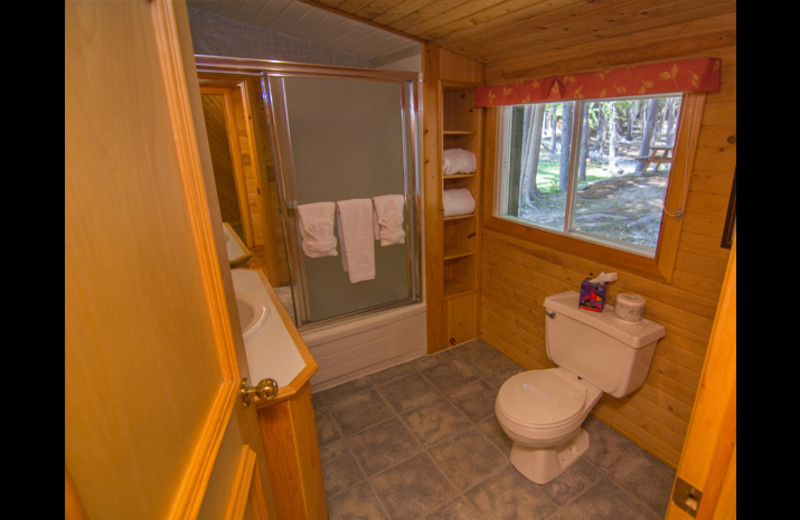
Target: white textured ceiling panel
{"points": [[319, 27]]}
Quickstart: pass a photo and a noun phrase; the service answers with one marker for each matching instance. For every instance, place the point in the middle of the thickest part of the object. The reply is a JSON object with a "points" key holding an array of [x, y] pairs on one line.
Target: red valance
{"points": [[701, 74]]}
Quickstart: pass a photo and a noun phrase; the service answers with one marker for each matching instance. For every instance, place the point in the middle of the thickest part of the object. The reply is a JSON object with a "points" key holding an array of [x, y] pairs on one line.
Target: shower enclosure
{"points": [[341, 133], [339, 138]]}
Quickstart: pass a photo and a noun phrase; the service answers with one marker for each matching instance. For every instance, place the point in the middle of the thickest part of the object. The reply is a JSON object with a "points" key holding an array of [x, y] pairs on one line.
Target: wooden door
{"points": [[705, 484], [153, 427]]}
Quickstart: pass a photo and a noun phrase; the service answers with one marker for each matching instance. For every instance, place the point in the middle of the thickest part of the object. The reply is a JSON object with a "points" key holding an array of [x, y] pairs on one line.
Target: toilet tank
{"points": [[611, 354]]}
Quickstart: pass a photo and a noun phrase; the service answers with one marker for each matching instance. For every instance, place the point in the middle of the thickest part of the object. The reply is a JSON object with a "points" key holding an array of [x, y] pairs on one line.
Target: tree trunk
{"points": [[671, 119], [584, 156], [647, 136], [534, 117], [601, 132], [612, 141], [566, 144]]}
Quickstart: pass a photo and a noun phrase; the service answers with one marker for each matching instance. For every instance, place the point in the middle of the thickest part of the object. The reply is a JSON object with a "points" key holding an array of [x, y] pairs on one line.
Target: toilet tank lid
{"points": [[637, 335]]}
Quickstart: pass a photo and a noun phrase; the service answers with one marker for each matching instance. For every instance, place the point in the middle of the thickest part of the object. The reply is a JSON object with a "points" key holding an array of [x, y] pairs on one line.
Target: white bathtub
{"points": [[359, 346]]}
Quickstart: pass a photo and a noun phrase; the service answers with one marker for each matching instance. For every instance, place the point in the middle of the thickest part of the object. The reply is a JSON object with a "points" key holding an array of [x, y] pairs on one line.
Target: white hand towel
{"points": [[457, 160], [388, 219], [457, 201], [354, 218], [315, 221]]}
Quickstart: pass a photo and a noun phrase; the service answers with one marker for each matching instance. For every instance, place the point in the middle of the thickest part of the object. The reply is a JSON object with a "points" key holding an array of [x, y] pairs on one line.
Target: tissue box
{"points": [[593, 296]]}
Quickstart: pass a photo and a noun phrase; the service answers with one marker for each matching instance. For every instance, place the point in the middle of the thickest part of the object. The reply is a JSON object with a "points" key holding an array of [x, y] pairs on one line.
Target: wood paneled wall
{"points": [[217, 131], [517, 275]]}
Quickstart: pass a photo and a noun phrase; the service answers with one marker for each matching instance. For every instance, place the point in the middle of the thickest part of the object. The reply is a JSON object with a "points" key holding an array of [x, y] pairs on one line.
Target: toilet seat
{"points": [[541, 398]]}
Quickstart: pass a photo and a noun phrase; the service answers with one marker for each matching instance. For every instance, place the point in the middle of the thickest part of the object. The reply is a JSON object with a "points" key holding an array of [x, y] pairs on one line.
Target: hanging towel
{"points": [[315, 221], [457, 160], [354, 218], [457, 201], [387, 219]]}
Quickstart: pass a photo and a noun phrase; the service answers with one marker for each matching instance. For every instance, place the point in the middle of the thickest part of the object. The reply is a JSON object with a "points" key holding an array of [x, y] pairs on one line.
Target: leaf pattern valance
{"points": [[701, 74]]}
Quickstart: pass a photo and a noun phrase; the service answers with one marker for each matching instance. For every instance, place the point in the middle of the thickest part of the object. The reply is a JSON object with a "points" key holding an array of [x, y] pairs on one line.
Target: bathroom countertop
{"points": [[234, 246], [277, 350]]}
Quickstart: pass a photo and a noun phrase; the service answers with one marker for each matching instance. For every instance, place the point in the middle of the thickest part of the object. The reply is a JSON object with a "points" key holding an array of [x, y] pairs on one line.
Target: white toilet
{"points": [[541, 411]]}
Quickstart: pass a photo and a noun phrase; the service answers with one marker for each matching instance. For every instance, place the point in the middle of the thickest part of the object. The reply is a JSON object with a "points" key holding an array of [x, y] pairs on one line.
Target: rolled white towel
{"points": [[457, 201], [457, 160], [387, 219], [315, 221]]}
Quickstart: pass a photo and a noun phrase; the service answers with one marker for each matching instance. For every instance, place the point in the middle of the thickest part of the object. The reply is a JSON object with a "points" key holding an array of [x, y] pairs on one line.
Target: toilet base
{"points": [[541, 465]]}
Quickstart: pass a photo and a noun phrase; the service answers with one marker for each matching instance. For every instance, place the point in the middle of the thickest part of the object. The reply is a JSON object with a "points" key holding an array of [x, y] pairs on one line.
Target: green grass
{"points": [[547, 175]]}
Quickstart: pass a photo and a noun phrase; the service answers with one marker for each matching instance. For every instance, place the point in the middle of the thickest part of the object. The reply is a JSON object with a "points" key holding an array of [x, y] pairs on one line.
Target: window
{"points": [[595, 170]]}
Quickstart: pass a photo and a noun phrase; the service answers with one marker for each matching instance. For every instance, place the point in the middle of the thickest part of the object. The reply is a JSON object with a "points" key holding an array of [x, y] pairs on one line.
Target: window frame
{"points": [[662, 265]]}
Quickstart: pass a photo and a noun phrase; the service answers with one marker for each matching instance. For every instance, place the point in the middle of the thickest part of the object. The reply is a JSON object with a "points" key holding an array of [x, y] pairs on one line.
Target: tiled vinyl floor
{"points": [[420, 441]]}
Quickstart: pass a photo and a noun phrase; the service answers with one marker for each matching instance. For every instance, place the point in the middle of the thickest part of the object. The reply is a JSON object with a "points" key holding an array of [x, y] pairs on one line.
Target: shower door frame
{"points": [[281, 148]]}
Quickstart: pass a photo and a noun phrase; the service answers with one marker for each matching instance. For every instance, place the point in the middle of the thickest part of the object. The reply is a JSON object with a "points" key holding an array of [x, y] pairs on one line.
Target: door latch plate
{"points": [[686, 496]]}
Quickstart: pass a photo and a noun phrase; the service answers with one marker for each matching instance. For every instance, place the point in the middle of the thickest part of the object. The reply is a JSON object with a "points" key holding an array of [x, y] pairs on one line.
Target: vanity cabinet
{"points": [[288, 428]]}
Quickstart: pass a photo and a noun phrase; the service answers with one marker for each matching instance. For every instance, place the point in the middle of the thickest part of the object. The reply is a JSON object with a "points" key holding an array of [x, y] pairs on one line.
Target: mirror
{"points": [[241, 154]]}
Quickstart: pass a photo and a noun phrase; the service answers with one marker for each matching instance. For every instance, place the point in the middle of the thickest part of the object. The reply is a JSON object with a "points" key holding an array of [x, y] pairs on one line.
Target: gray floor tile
{"points": [[358, 410], [603, 501], [508, 495], [382, 446], [572, 482], [474, 399], [646, 477], [339, 468], [420, 441], [327, 430], [408, 392], [390, 374], [447, 376], [357, 503], [456, 509], [467, 458], [606, 447], [410, 489], [435, 421]]}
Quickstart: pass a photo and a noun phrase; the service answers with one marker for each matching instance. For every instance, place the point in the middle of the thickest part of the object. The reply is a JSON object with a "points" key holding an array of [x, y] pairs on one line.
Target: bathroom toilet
{"points": [[541, 411]]}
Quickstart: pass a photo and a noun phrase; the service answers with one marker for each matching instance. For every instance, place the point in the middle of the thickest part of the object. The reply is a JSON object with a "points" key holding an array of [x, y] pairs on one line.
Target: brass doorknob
{"points": [[265, 389]]}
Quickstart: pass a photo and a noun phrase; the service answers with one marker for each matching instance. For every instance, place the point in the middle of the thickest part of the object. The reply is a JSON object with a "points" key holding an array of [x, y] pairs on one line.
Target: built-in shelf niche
{"points": [[460, 234]]}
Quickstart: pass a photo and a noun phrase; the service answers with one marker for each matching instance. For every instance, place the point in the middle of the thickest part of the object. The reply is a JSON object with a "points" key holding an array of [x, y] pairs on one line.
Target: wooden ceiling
{"points": [[488, 31], [492, 31]]}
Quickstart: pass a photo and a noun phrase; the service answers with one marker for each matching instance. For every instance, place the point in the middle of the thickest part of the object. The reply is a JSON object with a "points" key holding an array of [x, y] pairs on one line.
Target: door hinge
{"points": [[686, 496]]}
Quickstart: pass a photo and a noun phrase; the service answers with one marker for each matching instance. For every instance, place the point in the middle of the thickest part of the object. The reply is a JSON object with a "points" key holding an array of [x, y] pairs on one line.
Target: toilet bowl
{"points": [[541, 411]]}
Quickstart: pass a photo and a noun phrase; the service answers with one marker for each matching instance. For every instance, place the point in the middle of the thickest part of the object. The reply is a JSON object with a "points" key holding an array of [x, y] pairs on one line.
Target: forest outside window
{"points": [[597, 170]]}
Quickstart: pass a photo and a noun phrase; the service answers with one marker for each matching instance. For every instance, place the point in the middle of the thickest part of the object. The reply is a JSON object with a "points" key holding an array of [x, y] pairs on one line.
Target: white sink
{"points": [[253, 313]]}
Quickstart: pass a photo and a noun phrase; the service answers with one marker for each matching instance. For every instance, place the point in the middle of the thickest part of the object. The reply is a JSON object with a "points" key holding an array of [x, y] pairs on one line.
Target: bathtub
{"points": [[355, 347]]}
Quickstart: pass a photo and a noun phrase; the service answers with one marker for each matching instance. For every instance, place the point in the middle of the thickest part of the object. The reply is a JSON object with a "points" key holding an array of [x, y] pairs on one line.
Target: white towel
{"points": [[354, 218], [457, 160], [387, 219], [457, 201], [315, 221]]}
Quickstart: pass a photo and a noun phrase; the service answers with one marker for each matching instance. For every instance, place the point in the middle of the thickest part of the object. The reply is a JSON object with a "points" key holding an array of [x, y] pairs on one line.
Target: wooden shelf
{"points": [[452, 245], [459, 217], [460, 233], [457, 252]]}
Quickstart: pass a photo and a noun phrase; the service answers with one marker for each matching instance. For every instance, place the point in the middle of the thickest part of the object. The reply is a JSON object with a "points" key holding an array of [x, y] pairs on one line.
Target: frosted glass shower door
{"points": [[339, 139]]}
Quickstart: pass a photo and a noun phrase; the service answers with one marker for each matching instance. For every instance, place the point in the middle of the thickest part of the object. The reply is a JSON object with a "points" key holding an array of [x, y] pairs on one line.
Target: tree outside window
{"points": [[595, 169]]}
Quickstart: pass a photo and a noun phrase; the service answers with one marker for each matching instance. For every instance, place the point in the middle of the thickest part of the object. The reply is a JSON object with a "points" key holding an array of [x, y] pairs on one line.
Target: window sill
{"points": [[658, 268]]}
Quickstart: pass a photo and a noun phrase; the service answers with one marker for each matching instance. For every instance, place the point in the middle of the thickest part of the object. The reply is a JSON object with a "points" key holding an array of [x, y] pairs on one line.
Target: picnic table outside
{"points": [[658, 155]]}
